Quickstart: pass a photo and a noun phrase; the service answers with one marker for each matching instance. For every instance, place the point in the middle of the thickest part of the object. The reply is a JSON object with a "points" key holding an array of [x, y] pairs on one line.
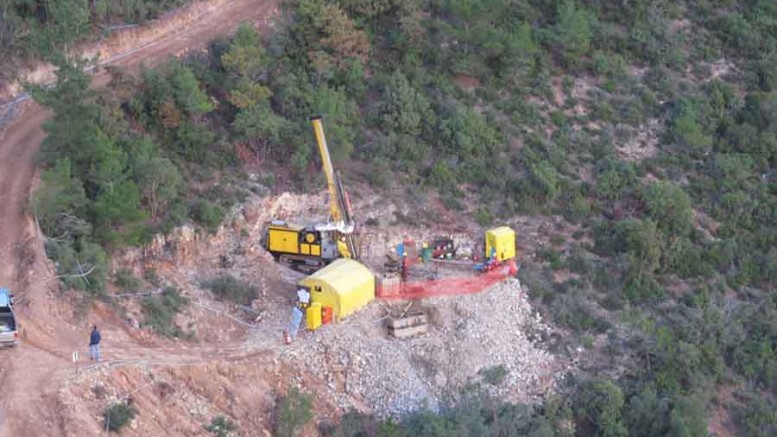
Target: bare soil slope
{"points": [[30, 373]]}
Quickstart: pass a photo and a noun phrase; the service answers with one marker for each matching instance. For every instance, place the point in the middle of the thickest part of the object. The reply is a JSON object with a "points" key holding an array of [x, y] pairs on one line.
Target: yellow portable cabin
{"points": [[501, 242], [344, 285]]}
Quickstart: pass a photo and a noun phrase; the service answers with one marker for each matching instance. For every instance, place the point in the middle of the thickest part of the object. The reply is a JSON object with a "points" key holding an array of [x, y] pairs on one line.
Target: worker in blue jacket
{"points": [[94, 344]]}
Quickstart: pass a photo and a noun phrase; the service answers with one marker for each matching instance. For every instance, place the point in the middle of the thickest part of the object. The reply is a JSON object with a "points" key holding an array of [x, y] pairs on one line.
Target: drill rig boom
{"points": [[339, 204], [308, 248]]}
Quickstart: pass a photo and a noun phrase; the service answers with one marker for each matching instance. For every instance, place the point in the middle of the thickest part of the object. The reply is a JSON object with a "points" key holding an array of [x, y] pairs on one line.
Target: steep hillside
{"points": [[631, 145]]}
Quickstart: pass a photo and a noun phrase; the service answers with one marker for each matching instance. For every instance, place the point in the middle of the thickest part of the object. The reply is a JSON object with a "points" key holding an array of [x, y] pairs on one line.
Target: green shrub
{"points": [[354, 424], [689, 133], [118, 415], [483, 217], [207, 214], [670, 207], [82, 266], [579, 261], [614, 179], [759, 417], [231, 289], [574, 32], [545, 185], [126, 280], [493, 375], [151, 275], [687, 261], [600, 408], [552, 257], [641, 288], [59, 204], [160, 311], [558, 118], [220, 426], [569, 310], [405, 110], [292, 412], [380, 173], [576, 206]]}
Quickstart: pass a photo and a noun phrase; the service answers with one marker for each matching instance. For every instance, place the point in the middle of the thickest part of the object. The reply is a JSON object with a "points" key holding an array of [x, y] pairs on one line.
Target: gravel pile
{"points": [[365, 368]]}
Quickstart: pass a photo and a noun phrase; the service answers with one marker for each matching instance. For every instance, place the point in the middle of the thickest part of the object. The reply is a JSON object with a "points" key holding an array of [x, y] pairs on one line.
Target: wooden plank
{"points": [[406, 322], [409, 332]]}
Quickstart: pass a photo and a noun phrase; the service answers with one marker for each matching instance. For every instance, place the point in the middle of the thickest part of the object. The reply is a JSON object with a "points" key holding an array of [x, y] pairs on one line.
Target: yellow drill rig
{"points": [[307, 248]]}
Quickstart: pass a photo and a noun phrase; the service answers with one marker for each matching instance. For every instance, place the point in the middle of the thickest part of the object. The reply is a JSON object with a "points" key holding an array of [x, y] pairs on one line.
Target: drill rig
{"points": [[307, 248]]}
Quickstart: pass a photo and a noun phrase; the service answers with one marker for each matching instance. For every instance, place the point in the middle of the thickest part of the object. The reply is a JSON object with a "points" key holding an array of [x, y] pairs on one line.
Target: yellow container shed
{"points": [[344, 285], [501, 242]]}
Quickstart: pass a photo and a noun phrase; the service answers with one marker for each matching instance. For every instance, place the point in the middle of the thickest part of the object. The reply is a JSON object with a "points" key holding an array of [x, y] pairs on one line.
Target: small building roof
{"points": [[340, 275], [502, 230]]}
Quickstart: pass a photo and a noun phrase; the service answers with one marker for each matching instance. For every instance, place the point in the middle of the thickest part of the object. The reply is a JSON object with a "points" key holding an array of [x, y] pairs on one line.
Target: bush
{"points": [[118, 415], [151, 275], [405, 110], [207, 214], [292, 412], [579, 261], [614, 179], [59, 203], [689, 133], [687, 261], [231, 289], [82, 266], [600, 405], [160, 312], [493, 375], [355, 424], [126, 280], [759, 418], [483, 217], [576, 206], [552, 257], [570, 311], [380, 172], [220, 426], [670, 207], [641, 288]]}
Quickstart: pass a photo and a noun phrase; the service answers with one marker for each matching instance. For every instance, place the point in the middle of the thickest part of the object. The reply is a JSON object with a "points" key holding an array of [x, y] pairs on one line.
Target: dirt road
{"points": [[30, 373]]}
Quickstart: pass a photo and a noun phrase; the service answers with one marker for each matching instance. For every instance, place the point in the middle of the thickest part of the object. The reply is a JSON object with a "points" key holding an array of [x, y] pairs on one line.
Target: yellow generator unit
{"points": [[500, 243], [299, 247], [344, 285], [313, 316]]}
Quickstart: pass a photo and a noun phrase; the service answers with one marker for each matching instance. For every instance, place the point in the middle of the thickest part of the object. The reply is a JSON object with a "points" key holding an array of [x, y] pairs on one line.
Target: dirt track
{"points": [[31, 373]]}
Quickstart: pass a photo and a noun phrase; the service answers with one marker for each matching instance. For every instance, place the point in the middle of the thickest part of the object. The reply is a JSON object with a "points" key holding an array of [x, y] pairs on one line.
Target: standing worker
{"points": [[303, 298], [94, 344], [405, 267], [426, 252]]}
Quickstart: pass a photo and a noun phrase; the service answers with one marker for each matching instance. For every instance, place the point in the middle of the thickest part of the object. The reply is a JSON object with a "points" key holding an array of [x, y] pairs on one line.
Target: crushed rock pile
{"points": [[364, 367]]}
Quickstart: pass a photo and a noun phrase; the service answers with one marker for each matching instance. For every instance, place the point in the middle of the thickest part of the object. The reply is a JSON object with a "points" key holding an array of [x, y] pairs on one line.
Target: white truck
{"points": [[9, 334]]}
